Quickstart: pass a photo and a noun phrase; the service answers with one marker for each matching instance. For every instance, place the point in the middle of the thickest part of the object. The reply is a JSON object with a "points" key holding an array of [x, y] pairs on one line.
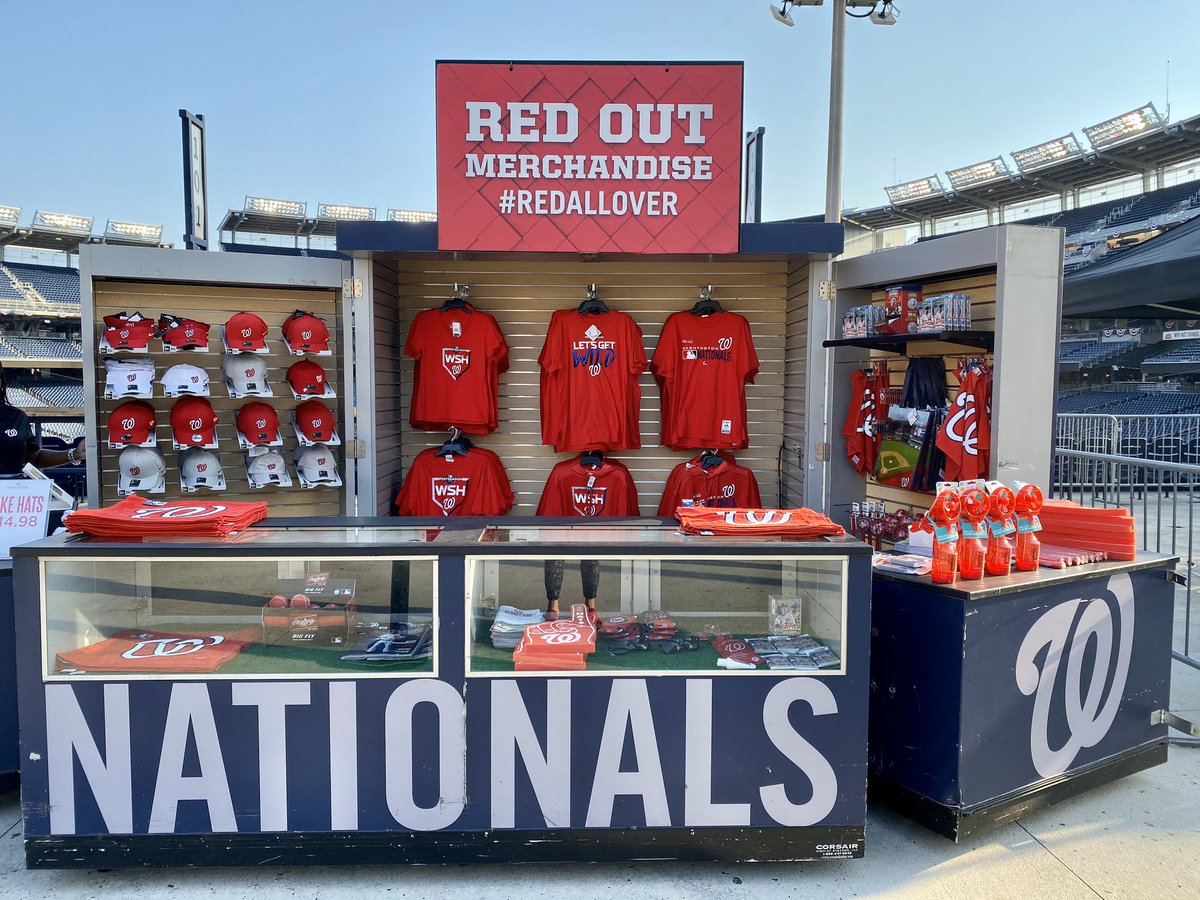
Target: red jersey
{"points": [[702, 365], [458, 484], [156, 651], [966, 433], [460, 354], [726, 484], [590, 396], [577, 490], [862, 442]]}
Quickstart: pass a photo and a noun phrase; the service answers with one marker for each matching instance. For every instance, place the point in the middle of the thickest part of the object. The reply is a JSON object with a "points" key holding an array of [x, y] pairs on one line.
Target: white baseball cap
{"points": [[267, 468], [184, 379], [142, 469], [201, 468], [317, 464], [246, 375], [132, 378]]}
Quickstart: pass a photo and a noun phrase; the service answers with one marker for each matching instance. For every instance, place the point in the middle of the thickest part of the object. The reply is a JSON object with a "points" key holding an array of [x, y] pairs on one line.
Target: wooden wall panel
{"points": [[214, 304], [523, 294], [390, 404]]}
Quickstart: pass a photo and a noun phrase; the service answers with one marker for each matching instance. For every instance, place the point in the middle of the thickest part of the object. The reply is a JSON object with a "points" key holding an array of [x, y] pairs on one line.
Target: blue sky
{"points": [[333, 102]]}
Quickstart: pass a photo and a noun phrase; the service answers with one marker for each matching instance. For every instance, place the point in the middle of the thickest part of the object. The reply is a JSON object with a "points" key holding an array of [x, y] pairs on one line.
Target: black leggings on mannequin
{"points": [[589, 575]]}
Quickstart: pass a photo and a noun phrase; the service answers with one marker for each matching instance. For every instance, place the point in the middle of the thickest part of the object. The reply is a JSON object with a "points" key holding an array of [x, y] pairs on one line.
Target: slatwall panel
{"points": [[214, 304], [523, 294], [982, 289], [391, 409], [795, 370]]}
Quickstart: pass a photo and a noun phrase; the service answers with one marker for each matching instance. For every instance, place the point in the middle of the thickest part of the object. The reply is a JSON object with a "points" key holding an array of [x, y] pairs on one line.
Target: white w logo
{"points": [[1065, 631]]}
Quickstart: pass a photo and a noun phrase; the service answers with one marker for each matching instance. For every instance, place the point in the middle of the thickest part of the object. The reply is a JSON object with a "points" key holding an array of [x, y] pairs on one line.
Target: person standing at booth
{"points": [[19, 445]]}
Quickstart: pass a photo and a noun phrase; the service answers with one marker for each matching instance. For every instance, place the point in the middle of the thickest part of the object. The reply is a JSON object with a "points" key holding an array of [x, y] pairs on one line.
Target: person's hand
{"points": [[80, 453]]}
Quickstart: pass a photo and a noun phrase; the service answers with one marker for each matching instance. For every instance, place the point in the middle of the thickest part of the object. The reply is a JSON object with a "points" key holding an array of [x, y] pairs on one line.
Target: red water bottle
{"points": [[998, 560], [971, 550], [944, 515], [1027, 505]]}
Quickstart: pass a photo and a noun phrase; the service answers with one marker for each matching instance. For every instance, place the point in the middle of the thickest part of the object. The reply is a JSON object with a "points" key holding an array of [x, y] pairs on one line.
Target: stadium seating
{"points": [[1186, 351], [57, 393], [8, 289], [57, 284], [1092, 352], [18, 396], [45, 348]]}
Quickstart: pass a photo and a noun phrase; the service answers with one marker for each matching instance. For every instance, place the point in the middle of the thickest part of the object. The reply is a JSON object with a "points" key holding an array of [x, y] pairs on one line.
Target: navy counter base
{"points": [[993, 701], [178, 709]]}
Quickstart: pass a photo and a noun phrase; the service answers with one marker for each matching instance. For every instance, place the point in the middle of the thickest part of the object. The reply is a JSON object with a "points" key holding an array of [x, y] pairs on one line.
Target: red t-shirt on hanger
{"points": [[726, 484], [459, 355], [702, 365], [458, 484], [590, 397], [574, 489]]}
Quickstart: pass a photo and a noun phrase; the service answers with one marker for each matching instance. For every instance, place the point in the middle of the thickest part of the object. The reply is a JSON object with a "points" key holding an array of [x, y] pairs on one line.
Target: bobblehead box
{"points": [[316, 611]]}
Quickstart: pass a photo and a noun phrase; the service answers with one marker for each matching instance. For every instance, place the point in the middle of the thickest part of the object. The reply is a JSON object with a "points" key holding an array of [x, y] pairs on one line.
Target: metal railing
{"points": [[1162, 496], [1162, 438]]}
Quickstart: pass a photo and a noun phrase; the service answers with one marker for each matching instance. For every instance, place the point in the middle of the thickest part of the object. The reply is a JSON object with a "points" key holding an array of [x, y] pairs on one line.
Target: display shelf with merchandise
{"points": [[414, 754]]}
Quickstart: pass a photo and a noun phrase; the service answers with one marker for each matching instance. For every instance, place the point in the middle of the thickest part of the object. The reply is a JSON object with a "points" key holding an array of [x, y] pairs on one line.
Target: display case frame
{"points": [[342, 769]]}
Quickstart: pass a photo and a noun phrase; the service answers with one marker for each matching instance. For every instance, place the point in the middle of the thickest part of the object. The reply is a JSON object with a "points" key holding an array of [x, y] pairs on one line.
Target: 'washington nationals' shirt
{"points": [[590, 396], [577, 490], [460, 354], [726, 484], [702, 364], [458, 484]]}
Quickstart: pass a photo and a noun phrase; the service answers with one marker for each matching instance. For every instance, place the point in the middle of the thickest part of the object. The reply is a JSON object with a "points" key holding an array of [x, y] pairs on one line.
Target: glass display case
{"points": [[361, 689], [268, 610], [685, 612]]}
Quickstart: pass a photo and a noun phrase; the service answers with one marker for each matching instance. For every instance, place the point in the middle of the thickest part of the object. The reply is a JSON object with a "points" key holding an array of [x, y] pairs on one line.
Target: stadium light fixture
{"points": [[294, 208], [133, 231], [10, 215], [411, 216], [915, 190], [1047, 153], [345, 213], [967, 176], [63, 222], [1123, 126]]}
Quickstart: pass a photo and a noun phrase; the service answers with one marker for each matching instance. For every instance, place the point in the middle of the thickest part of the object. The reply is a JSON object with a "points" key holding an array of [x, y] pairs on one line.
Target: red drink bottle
{"points": [[944, 514], [974, 504], [998, 560], [1029, 548]]}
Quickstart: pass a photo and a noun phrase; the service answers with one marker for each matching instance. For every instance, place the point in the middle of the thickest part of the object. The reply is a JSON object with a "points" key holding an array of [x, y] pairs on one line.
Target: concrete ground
{"points": [[1138, 837]]}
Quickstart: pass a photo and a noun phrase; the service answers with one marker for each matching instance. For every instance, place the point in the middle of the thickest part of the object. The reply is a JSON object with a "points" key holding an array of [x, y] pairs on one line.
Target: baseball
{"points": [[277, 601], [301, 601]]}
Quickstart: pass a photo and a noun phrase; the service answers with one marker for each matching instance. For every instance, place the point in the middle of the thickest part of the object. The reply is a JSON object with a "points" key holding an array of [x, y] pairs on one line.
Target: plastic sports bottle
{"points": [[998, 560], [1027, 505], [974, 506], [944, 515]]}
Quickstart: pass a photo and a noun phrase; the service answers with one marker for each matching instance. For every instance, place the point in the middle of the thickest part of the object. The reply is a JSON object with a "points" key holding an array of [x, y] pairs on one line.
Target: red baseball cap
{"points": [[124, 332], [306, 377], [183, 333], [246, 331], [131, 423], [305, 331], [314, 421], [258, 422], [193, 422]]}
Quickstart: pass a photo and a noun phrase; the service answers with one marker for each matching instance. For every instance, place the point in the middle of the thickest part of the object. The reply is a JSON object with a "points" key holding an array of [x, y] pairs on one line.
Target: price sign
{"points": [[24, 512]]}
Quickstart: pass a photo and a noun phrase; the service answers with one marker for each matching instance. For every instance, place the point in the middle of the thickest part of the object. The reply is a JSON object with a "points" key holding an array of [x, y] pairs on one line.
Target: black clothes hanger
{"points": [[592, 303], [593, 459], [709, 459], [459, 300], [458, 444], [706, 305]]}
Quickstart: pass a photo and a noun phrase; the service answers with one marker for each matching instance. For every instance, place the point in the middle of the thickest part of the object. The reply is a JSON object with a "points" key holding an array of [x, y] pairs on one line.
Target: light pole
{"points": [[879, 12], [821, 311]]}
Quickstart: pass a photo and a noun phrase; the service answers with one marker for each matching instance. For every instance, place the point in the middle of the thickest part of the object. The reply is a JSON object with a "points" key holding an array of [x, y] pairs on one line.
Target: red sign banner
{"points": [[589, 157]]}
